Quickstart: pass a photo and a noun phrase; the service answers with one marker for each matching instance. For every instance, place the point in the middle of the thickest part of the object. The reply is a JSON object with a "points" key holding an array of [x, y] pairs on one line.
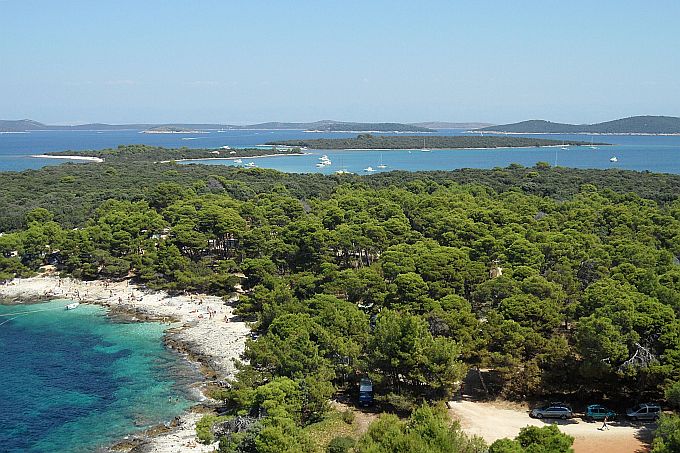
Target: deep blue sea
{"points": [[652, 153], [75, 381]]}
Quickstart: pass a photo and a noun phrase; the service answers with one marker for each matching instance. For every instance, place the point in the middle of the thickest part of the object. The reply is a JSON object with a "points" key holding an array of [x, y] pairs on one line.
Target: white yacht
{"points": [[72, 306], [424, 149], [251, 165], [369, 169], [238, 161], [613, 159]]}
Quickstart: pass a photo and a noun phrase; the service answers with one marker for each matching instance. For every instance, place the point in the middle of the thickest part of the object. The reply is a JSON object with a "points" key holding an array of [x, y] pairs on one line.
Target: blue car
{"points": [[599, 412]]}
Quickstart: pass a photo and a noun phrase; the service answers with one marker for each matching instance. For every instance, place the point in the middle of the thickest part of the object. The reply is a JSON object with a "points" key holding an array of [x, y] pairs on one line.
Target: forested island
{"points": [[369, 141], [560, 283], [147, 153], [652, 125]]}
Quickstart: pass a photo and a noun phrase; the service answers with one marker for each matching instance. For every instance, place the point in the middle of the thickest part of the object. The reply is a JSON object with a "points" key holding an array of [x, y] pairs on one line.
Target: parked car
{"points": [[599, 412], [560, 403], [552, 411], [365, 392], [644, 411]]}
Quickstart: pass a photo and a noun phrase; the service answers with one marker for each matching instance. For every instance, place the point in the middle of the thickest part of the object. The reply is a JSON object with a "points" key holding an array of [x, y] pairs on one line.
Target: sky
{"points": [[239, 62]]}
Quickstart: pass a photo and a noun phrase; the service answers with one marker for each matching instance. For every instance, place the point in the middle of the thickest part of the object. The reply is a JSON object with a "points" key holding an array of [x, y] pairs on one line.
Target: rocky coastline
{"points": [[202, 328]]}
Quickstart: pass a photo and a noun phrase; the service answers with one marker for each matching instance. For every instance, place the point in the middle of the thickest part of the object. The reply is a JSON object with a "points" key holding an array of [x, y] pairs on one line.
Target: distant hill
{"points": [[632, 125], [339, 126], [20, 125], [325, 126], [448, 125]]}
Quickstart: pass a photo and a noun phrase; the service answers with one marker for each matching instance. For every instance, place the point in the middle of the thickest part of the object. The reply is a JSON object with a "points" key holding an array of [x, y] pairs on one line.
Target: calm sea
{"points": [[75, 381], [652, 153]]}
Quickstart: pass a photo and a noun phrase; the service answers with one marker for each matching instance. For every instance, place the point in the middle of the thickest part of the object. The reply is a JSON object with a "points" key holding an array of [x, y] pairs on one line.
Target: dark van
{"points": [[365, 392]]}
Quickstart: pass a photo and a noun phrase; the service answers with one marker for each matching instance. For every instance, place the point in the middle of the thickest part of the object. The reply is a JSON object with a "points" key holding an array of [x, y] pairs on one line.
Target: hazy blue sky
{"points": [[245, 61]]}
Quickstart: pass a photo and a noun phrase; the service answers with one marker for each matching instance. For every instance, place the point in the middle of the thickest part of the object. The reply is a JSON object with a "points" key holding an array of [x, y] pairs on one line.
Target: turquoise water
{"points": [[660, 158], [76, 381], [653, 153]]}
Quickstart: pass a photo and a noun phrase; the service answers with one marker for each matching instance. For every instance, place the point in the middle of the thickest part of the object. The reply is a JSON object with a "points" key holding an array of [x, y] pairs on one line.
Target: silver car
{"points": [[644, 411], [552, 411]]}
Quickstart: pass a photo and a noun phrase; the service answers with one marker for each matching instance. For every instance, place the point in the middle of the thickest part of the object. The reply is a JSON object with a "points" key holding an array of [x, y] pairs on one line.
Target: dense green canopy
{"points": [[387, 276]]}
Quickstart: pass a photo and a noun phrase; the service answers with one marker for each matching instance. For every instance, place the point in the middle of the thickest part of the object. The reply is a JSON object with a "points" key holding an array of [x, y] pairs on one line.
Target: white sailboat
{"points": [[564, 146], [381, 162], [424, 149], [592, 145]]}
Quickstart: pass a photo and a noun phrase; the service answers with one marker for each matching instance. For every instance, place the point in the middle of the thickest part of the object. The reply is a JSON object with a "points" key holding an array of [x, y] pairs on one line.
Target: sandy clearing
{"points": [[493, 421]]}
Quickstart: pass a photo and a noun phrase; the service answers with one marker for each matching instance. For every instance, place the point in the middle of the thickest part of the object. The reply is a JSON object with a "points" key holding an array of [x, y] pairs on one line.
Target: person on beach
{"points": [[604, 424]]}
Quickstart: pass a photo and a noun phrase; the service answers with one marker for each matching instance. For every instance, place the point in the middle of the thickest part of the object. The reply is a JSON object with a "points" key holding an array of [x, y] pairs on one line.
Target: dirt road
{"points": [[493, 421]]}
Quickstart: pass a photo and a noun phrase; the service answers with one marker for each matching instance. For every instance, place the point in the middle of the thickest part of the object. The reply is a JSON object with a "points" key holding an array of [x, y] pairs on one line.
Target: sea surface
{"points": [[641, 153], [75, 381]]}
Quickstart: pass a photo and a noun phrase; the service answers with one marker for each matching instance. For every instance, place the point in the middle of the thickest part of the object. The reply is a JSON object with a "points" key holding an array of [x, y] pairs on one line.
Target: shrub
{"points": [[204, 427], [672, 394], [341, 444], [347, 416]]}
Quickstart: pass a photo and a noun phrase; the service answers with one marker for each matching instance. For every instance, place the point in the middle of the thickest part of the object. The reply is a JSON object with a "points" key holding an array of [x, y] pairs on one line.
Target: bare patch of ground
{"points": [[493, 421]]}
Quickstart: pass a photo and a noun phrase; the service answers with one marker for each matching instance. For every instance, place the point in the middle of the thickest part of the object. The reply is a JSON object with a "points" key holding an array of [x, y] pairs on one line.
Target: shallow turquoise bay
{"points": [[77, 381]]}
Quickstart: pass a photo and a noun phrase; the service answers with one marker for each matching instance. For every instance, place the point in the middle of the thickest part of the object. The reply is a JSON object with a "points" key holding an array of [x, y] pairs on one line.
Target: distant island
{"points": [[321, 126], [340, 126], [172, 130], [642, 125], [449, 125], [368, 141]]}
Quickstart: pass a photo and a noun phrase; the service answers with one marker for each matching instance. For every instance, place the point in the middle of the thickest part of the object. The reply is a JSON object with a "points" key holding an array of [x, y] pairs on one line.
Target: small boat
{"points": [[238, 161], [251, 165], [565, 147], [320, 165], [72, 306], [613, 159], [423, 149], [369, 169], [343, 172], [225, 147], [381, 162], [592, 143]]}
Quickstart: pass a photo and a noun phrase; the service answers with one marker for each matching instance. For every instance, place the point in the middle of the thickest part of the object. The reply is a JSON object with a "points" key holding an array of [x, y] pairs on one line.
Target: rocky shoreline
{"points": [[203, 329]]}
